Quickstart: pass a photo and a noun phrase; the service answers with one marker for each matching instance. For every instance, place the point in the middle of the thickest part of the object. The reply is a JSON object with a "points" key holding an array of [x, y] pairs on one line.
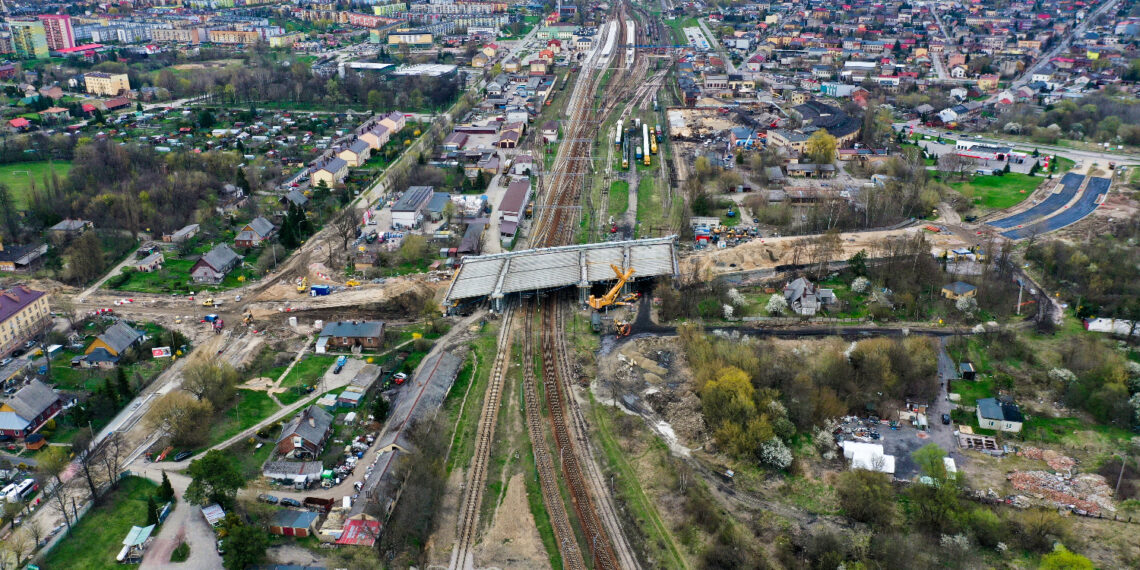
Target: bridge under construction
{"points": [[531, 270]]}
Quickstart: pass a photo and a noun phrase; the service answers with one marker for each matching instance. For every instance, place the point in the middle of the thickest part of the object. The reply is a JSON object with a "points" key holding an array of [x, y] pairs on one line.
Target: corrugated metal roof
{"points": [[534, 269]]}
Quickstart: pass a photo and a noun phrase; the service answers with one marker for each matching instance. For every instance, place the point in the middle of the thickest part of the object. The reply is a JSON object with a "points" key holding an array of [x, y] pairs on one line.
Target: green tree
{"points": [[929, 459], [84, 258], [858, 263], [821, 147], [9, 214], [215, 479], [241, 181], [122, 386], [206, 119], [380, 409], [245, 546], [1062, 559], [151, 511], [165, 489], [866, 496]]}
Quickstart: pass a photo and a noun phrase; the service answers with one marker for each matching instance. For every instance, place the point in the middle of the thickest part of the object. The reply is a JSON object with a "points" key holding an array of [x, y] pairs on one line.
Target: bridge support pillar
{"points": [[583, 292], [497, 303]]}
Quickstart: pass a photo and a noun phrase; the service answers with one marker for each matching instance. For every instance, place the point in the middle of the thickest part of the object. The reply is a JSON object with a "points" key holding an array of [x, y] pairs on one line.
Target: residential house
{"points": [[951, 114], [958, 289], [395, 121], [999, 415], [24, 313], [988, 82], [106, 84], [108, 348], [20, 257], [55, 114], [805, 298], [351, 334], [409, 210], [296, 198], [213, 267], [152, 262], [68, 229], [330, 171], [28, 410], [376, 137], [522, 165], [305, 435], [550, 132], [187, 232], [254, 233], [357, 153]]}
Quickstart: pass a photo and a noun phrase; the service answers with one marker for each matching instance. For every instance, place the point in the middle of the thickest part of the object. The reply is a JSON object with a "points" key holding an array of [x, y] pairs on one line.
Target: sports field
{"points": [[19, 176]]}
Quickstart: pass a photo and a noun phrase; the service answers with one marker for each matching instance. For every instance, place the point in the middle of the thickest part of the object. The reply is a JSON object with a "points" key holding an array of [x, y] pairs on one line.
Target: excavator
{"points": [[611, 298], [303, 285]]}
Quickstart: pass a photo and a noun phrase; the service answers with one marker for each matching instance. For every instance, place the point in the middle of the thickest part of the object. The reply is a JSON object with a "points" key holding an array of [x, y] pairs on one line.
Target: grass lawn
{"points": [[173, 271], [1071, 431], [97, 539], [629, 487], [250, 407], [971, 391], [997, 192], [20, 176], [619, 197], [248, 459], [308, 370]]}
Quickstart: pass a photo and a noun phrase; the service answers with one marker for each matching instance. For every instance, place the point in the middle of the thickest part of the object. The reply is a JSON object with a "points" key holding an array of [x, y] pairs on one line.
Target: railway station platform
{"points": [[532, 270]]}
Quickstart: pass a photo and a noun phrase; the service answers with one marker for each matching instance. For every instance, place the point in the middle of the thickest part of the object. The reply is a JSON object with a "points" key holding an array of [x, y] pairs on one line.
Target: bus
{"points": [[20, 491]]}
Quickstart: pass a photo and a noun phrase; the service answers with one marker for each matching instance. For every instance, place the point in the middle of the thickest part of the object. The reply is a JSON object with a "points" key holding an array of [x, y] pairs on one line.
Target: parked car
{"points": [[946, 419], [183, 455], [5, 361], [287, 502], [268, 499]]}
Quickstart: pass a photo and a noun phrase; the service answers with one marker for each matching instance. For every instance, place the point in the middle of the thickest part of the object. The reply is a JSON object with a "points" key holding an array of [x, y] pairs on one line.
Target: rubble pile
{"points": [[1055, 460], [1086, 494]]}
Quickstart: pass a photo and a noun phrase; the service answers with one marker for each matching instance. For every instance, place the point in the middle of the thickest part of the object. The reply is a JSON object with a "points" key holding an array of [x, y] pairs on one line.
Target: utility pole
{"points": [[1020, 286], [1119, 477]]}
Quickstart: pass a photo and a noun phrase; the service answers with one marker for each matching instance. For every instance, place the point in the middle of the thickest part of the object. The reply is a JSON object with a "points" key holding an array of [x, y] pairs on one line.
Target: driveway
{"points": [[184, 524]]}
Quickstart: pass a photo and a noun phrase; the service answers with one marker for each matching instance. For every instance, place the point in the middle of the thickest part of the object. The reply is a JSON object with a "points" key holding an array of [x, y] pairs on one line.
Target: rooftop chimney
{"points": [[312, 422]]}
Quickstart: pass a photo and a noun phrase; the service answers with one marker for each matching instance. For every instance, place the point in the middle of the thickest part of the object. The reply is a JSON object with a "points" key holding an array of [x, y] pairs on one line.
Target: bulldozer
{"points": [[611, 298]]}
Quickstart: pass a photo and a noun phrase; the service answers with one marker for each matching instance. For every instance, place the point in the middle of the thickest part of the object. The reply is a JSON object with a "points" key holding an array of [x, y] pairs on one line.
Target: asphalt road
{"points": [[1071, 183], [1087, 203]]}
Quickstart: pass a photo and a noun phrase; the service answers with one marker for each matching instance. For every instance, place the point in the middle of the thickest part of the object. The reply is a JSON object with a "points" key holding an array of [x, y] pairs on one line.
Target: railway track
{"points": [[462, 556], [543, 462]]}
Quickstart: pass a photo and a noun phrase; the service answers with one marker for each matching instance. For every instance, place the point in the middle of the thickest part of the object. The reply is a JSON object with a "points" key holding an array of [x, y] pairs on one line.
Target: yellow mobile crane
{"points": [[611, 298]]}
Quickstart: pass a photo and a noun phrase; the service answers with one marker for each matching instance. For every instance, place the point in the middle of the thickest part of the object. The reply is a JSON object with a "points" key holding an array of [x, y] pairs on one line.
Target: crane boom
{"points": [[608, 298]]}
